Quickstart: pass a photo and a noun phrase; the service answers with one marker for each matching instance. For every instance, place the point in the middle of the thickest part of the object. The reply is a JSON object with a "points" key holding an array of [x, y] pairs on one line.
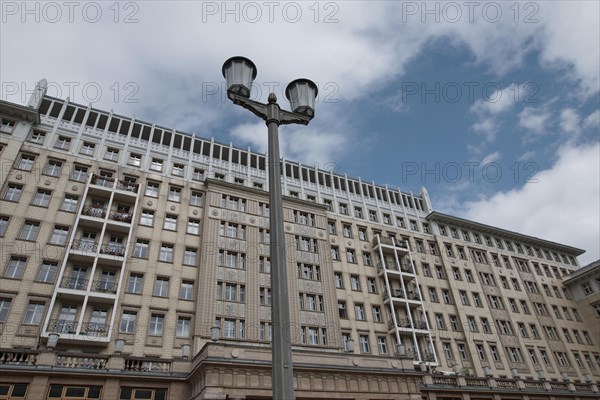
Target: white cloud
{"points": [[534, 119], [487, 128], [569, 121], [493, 157], [562, 206], [593, 120], [528, 155], [499, 100]]}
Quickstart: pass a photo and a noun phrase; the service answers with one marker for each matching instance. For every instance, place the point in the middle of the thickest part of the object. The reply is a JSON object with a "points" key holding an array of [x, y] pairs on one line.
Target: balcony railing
{"points": [[113, 249], [143, 365], [86, 361], [104, 286], [445, 381], [120, 216], [102, 181], [477, 382], [18, 357], [506, 383], [62, 326], [74, 283], [94, 211], [529, 384], [94, 329], [85, 245], [128, 186], [559, 386]]}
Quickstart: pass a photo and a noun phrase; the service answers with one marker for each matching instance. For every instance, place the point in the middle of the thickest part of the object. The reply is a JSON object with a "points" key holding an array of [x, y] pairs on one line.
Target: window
{"points": [[440, 272], [504, 327], [4, 308], [233, 203], [198, 174], [469, 276], [371, 285], [351, 256], [454, 323], [477, 299], [190, 256], [166, 253], [47, 272], [265, 296], [522, 330], [174, 194], [588, 338], [170, 222], [342, 310], [355, 282], [156, 165], [156, 324], [33, 315], [186, 291], [152, 189], [494, 353], [3, 224], [141, 248], [178, 170], [513, 305], [230, 291], [38, 137], [472, 324], [147, 218], [128, 320], [13, 192], [196, 198], [449, 251], [161, 287], [515, 284], [193, 226], [363, 341], [347, 230], [128, 393], [362, 233], [439, 321], [53, 168], [69, 203], [426, 270], [134, 283], [339, 282], [464, 299], [587, 288], [359, 311], [481, 352], [562, 358], [433, 294], [183, 327], [496, 302], [446, 296], [112, 154], [63, 143], [26, 162], [42, 198], [373, 215], [30, 230], [382, 344], [59, 235], [456, 274], [264, 264], [367, 259], [377, 316], [334, 253], [462, 351], [485, 325], [447, 350], [79, 173], [514, 354], [134, 159], [306, 244], [343, 208]]}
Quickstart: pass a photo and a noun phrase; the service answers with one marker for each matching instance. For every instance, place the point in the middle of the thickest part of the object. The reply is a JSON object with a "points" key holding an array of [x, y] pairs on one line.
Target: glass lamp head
{"points": [[239, 73], [302, 94]]}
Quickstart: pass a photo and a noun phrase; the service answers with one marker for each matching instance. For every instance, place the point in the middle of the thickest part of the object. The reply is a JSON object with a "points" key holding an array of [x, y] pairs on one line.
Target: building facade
{"points": [[135, 265]]}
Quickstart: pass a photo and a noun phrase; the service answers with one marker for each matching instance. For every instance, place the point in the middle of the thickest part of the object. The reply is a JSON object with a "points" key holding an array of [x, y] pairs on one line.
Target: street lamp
{"points": [[239, 72]]}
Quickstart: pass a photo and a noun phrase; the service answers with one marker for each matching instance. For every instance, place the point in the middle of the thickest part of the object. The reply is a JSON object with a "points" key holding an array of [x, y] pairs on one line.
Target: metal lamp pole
{"points": [[239, 73]]}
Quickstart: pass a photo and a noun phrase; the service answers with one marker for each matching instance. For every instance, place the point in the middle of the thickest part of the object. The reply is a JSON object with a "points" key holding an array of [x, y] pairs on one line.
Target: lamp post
{"points": [[239, 72]]}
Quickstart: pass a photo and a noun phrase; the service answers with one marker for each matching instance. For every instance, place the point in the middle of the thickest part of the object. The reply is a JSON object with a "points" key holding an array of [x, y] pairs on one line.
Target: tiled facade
{"points": [[133, 242]]}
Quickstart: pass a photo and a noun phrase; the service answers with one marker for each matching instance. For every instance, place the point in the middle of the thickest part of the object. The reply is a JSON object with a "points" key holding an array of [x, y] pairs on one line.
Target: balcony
{"points": [[61, 326], [75, 283], [145, 365], [113, 249], [387, 243], [120, 216], [102, 181], [18, 357], [84, 361], [128, 186], [94, 211]]}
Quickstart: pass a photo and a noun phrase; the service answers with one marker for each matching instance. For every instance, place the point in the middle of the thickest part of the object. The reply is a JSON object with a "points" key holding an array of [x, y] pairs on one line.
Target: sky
{"points": [[494, 107]]}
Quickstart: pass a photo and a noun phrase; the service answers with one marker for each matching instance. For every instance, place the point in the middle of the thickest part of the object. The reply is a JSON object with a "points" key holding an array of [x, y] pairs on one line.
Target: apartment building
{"points": [[135, 265]]}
